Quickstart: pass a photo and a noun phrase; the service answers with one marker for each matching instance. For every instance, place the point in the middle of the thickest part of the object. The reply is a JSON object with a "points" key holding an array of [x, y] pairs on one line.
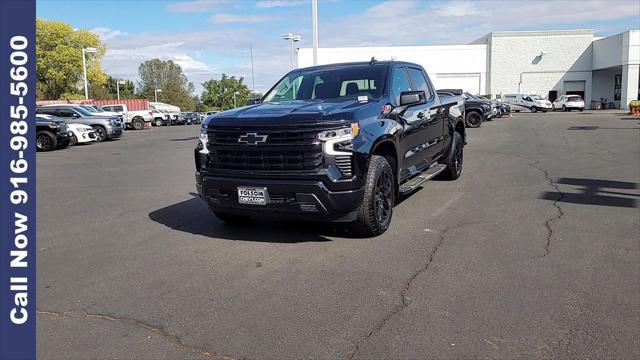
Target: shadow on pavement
{"points": [[194, 217], [186, 139], [593, 192]]}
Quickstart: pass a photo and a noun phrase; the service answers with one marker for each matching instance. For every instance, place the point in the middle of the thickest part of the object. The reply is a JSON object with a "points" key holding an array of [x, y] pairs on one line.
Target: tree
{"points": [[167, 76], [218, 94], [59, 60]]}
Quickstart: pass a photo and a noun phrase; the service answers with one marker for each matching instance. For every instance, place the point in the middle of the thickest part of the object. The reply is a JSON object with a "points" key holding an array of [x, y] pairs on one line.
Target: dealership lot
{"points": [[533, 252]]}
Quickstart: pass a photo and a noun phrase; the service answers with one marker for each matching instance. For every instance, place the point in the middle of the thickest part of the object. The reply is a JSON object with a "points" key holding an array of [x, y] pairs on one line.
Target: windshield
{"points": [[88, 108], [330, 83], [535, 97], [83, 111], [470, 96], [574, 98]]}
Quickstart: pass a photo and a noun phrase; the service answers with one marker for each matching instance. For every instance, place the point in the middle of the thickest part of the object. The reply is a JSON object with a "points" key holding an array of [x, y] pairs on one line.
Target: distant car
{"points": [[191, 118], [568, 103], [79, 133], [160, 118], [106, 127], [51, 134], [533, 103], [134, 119]]}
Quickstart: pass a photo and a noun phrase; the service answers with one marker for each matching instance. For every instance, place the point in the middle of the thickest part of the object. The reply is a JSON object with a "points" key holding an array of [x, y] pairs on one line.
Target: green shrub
{"points": [[634, 104]]}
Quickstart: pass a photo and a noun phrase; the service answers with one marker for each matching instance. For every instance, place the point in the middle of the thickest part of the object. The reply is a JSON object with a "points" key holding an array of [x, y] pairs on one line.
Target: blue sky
{"points": [[210, 37]]}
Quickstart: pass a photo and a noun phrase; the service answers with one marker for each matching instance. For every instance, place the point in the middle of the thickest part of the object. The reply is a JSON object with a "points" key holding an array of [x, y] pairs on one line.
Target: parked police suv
{"points": [[332, 143]]}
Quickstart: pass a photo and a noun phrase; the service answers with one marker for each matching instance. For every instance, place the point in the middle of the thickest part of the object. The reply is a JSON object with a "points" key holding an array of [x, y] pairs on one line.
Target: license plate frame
{"points": [[253, 195]]}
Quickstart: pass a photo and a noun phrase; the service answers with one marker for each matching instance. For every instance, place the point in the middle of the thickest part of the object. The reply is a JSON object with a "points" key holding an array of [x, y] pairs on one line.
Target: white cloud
{"points": [[266, 4], [463, 21], [106, 33], [224, 18], [189, 49], [195, 6]]}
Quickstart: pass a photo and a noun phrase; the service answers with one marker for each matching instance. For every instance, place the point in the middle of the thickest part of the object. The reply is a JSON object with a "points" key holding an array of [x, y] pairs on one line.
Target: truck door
{"points": [[415, 120], [435, 114]]}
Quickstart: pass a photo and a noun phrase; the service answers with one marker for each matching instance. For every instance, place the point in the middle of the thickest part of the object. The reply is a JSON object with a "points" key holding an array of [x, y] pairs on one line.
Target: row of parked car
{"points": [[477, 109], [62, 125]]}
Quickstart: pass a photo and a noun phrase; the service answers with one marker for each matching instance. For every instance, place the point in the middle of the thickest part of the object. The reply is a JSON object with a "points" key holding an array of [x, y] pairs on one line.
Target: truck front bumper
{"points": [[298, 199]]}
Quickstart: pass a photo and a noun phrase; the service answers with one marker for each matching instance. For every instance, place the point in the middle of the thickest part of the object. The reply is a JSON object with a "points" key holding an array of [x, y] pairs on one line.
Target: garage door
{"points": [[467, 82], [573, 86]]}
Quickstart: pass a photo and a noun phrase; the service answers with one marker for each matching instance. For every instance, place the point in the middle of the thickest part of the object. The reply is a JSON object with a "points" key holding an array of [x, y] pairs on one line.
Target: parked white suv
{"points": [[135, 119], [568, 103]]}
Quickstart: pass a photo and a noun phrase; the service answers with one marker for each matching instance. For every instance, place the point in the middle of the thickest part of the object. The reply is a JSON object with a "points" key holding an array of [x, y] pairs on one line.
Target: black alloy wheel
{"points": [[534, 109], [474, 119], [101, 133], [45, 141], [564, 108], [74, 140], [384, 198]]}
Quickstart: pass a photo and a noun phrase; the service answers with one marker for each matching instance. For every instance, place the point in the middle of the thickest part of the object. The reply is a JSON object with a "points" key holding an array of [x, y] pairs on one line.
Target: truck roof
{"points": [[358, 63]]}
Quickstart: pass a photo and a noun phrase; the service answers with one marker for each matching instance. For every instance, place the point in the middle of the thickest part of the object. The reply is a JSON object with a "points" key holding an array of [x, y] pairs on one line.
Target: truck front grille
{"points": [[283, 149]]}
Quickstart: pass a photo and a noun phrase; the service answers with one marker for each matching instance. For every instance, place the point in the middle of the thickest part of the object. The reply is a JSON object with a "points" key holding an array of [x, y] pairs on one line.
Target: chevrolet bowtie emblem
{"points": [[252, 138]]}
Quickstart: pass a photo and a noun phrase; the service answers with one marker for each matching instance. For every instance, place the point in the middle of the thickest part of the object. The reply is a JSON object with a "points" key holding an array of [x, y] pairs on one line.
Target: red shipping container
{"points": [[132, 104]]}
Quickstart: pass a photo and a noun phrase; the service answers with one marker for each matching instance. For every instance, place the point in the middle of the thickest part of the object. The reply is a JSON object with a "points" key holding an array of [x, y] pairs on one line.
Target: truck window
{"points": [[117, 108], [419, 81], [399, 83], [329, 83]]}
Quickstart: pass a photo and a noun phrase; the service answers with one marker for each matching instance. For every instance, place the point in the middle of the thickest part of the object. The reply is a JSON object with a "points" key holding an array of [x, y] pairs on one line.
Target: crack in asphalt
{"points": [[404, 299], [174, 339], [560, 214]]}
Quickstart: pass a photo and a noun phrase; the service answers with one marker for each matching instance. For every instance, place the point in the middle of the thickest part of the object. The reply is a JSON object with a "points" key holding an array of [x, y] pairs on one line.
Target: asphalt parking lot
{"points": [[532, 253]]}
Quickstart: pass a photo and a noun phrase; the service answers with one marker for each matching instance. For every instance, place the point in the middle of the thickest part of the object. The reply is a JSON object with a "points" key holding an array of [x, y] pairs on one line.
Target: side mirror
{"points": [[253, 101], [408, 98], [75, 116]]}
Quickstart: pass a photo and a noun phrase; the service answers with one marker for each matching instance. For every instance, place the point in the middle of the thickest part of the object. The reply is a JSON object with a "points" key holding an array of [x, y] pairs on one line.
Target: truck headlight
{"points": [[342, 139], [204, 139]]}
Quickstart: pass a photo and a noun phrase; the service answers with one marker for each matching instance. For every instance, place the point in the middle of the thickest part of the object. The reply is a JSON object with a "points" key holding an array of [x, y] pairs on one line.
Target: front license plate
{"points": [[253, 195]]}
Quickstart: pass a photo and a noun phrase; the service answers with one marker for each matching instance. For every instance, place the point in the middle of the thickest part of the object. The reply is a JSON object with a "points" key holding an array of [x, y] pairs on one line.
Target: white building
{"points": [[546, 63]]}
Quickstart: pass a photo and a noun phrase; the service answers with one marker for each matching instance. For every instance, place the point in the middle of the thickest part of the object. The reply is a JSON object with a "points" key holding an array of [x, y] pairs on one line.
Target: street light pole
{"points": [[293, 38], [234, 99], [155, 92], [314, 23], [118, 87], [84, 69]]}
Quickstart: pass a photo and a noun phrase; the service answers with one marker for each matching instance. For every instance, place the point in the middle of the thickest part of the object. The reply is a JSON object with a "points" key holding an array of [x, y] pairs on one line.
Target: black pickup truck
{"points": [[331, 143]]}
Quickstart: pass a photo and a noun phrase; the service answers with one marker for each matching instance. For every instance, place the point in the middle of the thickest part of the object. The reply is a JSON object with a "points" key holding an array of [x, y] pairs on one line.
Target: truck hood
{"points": [[282, 113]]}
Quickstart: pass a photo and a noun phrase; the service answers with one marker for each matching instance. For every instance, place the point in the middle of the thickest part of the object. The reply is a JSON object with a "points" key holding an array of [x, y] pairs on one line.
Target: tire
{"points": [[101, 133], [46, 141], [473, 119], [534, 109], [74, 140], [138, 124], [553, 108], [231, 219], [580, 109], [157, 122], [564, 108], [499, 114], [376, 210], [454, 159]]}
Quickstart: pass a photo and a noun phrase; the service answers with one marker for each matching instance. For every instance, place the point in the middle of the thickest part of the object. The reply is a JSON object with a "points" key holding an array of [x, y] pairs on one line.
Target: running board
{"points": [[428, 174]]}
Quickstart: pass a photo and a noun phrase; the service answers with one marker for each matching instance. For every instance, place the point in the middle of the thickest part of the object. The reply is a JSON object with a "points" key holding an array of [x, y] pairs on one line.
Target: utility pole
{"points": [[253, 81], [314, 21]]}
